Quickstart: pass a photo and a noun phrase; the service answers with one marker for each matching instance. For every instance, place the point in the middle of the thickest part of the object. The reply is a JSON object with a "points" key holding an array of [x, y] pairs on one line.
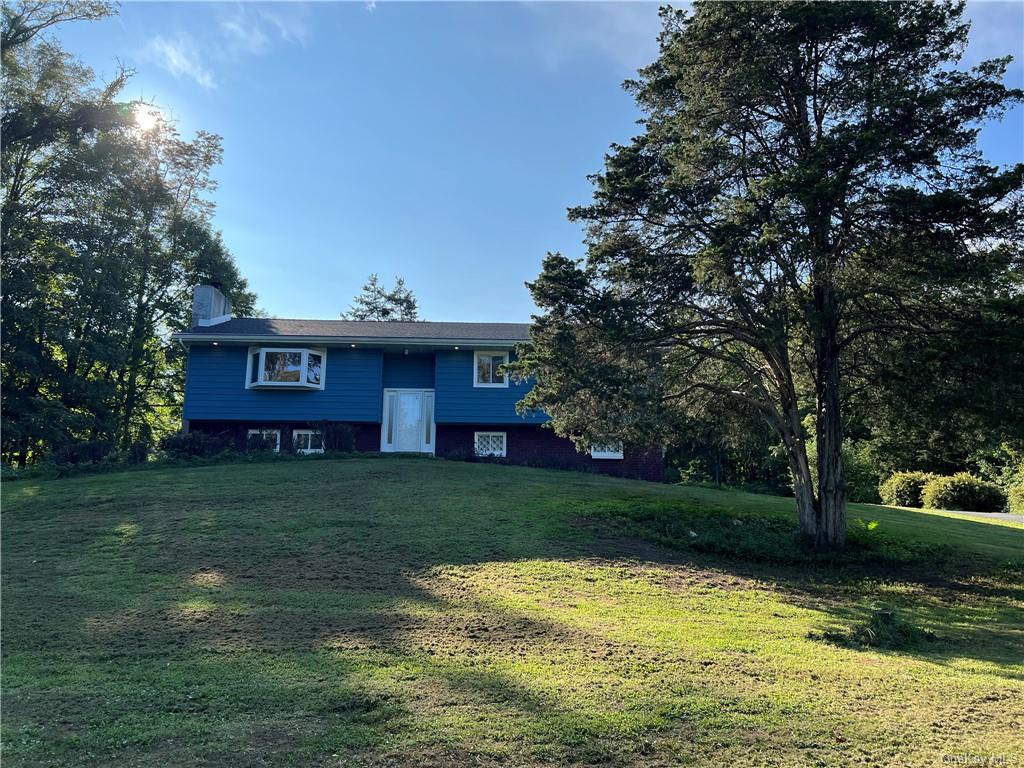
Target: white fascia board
{"points": [[370, 341]]}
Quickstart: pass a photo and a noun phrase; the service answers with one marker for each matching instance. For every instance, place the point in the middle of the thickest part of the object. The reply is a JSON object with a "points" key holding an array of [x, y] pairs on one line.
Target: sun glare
{"points": [[146, 116]]}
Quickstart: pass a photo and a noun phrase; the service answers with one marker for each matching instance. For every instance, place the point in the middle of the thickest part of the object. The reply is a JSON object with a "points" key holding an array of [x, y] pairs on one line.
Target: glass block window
{"points": [[489, 443]]}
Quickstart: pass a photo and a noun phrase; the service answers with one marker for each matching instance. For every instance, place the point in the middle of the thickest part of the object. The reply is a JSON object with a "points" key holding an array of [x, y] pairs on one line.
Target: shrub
{"points": [[963, 491], [338, 436], [859, 469], [1015, 498], [259, 442], [192, 444], [137, 453], [904, 489], [861, 472], [1004, 466], [884, 629], [83, 452]]}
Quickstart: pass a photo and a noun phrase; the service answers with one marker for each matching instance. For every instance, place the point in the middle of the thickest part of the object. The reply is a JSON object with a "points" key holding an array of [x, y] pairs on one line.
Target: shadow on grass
{"points": [[333, 611]]}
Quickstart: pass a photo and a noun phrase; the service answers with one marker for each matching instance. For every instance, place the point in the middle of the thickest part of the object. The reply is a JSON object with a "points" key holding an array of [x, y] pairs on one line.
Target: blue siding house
{"points": [[423, 387]]}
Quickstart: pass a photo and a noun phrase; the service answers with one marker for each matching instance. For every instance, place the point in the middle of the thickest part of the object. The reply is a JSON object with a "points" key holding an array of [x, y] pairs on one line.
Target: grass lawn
{"points": [[418, 612]]}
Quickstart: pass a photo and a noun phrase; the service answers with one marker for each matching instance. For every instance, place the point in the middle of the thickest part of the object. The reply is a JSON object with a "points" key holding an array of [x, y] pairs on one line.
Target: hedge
{"points": [[963, 491]]}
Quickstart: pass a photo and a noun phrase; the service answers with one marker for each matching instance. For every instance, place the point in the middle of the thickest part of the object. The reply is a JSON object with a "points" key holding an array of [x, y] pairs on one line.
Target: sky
{"points": [[438, 141]]}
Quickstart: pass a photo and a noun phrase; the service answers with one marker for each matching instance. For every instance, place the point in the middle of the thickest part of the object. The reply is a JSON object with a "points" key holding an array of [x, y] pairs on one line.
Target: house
{"points": [[420, 387]]}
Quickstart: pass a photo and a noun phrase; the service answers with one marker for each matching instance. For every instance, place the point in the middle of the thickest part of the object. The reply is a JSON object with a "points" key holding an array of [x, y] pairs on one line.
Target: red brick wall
{"points": [[542, 447], [533, 445], [367, 435]]}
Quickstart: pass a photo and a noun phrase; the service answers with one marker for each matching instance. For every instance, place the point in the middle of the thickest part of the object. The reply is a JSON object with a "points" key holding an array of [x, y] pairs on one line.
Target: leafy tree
{"points": [[105, 230], [806, 199], [376, 302]]}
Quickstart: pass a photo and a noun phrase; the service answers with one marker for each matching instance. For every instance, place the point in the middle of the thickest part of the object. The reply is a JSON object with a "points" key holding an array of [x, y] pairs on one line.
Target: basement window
{"points": [[279, 367], [609, 450], [307, 441], [263, 438], [489, 444]]}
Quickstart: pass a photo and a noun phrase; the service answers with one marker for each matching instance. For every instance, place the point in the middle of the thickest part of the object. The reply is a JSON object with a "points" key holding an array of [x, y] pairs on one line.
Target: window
{"points": [[489, 443], [282, 367], [271, 437], [307, 441], [486, 371], [609, 450], [275, 367]]}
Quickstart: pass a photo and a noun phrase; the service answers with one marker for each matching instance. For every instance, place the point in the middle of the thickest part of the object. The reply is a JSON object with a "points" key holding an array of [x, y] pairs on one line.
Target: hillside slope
{"points": [[420, 612]]}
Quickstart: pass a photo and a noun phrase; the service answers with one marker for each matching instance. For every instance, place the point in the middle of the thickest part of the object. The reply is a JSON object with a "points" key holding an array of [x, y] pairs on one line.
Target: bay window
{"points": [[278, 367]]}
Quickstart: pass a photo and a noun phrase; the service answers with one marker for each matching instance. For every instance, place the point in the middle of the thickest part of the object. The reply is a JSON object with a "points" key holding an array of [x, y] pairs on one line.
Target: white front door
{"points": [[408, 421]]}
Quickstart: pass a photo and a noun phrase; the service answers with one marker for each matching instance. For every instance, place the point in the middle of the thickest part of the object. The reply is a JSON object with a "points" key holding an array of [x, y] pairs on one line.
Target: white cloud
{"points": [[230, 36], [625, 32], [289, 21], [181, 58], [241, 36], [252, 30]]}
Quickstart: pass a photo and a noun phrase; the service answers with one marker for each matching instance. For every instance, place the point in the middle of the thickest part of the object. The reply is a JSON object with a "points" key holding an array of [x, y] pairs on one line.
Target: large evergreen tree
{"points": [[806, 199], [377, 302]]}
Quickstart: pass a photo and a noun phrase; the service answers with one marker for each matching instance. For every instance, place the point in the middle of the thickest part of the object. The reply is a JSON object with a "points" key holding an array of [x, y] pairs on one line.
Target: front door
{"points": [[408, 421]]}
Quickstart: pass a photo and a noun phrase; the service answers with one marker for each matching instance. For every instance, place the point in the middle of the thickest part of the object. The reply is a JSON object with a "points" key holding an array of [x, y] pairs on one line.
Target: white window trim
{"points": [[304, 365], [476, 356], [504, 444], [261, 431], [600, 451], [307, 451]]}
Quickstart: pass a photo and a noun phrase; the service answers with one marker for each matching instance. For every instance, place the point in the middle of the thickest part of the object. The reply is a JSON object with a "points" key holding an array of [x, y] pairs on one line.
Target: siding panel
{"points": [[215, 388], [415, 371], [459, 402]]}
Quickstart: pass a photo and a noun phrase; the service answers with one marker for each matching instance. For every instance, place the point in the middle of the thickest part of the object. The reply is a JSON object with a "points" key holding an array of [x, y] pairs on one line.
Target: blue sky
{"points": [[438, 141]]}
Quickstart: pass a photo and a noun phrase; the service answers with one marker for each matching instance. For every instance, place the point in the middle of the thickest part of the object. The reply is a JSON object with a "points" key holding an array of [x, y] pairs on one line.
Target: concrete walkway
{"points": [[1008, 517]]}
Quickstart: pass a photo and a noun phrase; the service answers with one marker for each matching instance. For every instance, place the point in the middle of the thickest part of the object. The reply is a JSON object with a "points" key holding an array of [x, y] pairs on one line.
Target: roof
{"points": [[326, 331]]}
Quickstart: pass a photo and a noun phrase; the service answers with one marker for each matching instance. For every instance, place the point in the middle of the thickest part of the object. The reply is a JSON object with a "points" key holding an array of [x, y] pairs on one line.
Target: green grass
{"points": [[417, 612]]}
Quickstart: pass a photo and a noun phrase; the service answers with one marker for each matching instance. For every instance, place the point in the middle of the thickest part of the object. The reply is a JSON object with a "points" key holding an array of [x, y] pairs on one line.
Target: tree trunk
{"points": [[803, 490], [831, 529], [791, 431]]}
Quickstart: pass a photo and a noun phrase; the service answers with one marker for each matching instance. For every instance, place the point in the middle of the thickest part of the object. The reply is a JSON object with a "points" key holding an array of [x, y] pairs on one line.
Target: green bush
{"points": [[83, 452], [261, 442], [338, 436], [859, 469], [186, 444], [884, 629], [1004, 466], [963, 491], [1015, 498], [904, 489], [861, 472]]}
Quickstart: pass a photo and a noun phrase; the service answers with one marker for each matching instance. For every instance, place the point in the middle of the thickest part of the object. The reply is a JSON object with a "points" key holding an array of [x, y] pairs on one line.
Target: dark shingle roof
{"points": [[366, 329]]}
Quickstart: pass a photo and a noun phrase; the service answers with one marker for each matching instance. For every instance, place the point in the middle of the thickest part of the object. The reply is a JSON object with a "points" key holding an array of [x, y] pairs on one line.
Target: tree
{"points": [[376, 302], [807, 196], [105, 229]]}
